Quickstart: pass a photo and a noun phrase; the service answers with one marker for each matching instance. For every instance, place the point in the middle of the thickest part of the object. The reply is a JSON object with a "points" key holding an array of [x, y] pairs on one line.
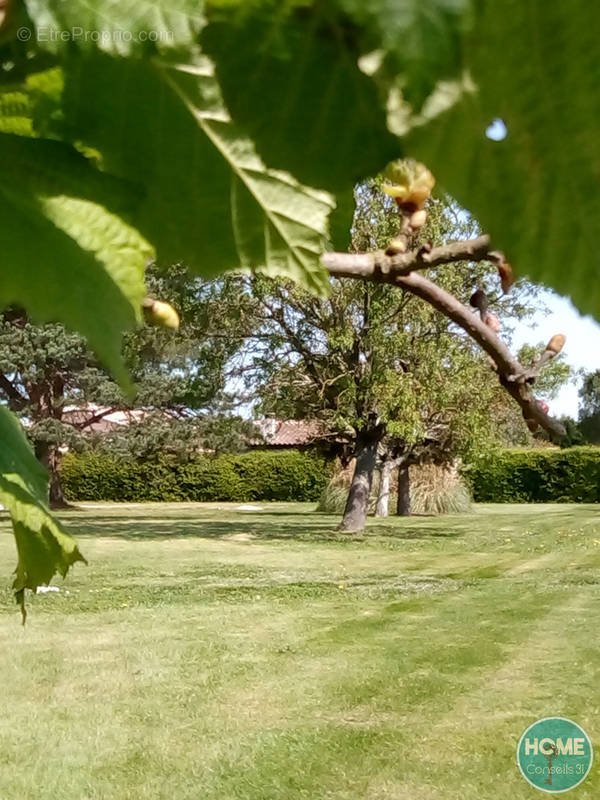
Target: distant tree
{"points": [[573, 435], [46, 372], [589, 407], [43, 370], [384, 370]]}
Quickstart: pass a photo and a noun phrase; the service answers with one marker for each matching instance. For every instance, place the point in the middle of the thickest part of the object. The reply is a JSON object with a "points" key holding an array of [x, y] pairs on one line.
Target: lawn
{"points": [[215, 654]]}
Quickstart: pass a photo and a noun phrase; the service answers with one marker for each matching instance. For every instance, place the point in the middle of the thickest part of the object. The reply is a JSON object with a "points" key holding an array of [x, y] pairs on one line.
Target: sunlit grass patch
{"points": [[207, 652]]}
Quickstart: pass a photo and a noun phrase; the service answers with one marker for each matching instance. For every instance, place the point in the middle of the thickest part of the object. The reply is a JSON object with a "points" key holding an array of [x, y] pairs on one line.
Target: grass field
{"points": [[216, 654]]}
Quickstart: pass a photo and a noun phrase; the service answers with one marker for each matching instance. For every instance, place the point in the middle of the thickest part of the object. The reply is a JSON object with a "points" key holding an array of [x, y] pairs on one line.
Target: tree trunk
{"points": [[357, 505], [403, 503], [383, 496], [49, 456]]}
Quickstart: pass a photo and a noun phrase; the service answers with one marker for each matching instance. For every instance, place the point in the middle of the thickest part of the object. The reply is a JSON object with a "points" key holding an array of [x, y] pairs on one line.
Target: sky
{"points": [[582, 348]]}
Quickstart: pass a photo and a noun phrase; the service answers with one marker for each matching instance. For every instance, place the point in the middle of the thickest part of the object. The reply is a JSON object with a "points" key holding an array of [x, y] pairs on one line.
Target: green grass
{"points": [[213, 654]]}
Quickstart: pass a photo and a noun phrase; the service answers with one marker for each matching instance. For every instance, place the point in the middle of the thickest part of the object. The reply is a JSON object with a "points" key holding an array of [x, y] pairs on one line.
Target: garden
{"points": [[296, 499]]}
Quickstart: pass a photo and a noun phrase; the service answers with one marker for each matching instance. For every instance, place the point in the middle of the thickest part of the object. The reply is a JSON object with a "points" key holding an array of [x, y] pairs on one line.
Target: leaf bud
{"points": [[160, 313], [492, 321], [556, 343], [418, 219], [507, 278], [396, 246]]}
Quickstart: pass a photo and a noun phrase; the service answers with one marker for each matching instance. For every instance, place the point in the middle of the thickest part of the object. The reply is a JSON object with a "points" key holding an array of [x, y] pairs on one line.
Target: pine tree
{"points": [[47, 373]]}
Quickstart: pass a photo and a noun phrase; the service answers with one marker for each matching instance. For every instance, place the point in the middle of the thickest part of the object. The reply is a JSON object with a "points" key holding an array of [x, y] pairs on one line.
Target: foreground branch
{"points": [[399, 270], [513, 375], [380, 266]]}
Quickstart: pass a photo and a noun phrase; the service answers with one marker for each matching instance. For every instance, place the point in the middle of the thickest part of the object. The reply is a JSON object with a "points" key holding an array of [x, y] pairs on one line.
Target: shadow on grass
{"points": [[268, 526]]}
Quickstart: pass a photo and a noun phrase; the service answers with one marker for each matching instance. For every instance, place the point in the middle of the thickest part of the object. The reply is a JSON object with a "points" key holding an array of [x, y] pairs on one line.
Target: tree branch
{"points": [[16, 401], [399, 270], [372, 266], [452, 308]]}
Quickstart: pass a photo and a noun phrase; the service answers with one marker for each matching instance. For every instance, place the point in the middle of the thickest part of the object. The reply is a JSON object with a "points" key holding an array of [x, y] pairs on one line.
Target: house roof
{"points": [[289, 432], [101, 419], [94, 418]]}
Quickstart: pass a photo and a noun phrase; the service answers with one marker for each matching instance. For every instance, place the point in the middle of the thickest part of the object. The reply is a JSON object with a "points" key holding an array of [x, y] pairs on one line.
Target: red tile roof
{"points": [[102, 419], [274, 432], [290, 432]]}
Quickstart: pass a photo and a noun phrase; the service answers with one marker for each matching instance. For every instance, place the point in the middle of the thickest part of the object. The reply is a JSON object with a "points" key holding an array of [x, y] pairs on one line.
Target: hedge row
{"points": [[256, 475], [538, 476]]}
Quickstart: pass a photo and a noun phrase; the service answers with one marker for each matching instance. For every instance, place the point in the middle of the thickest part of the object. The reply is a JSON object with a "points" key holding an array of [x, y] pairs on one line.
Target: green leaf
{"points": [[44, 548], [65, 252], [310, 84], [534, 66], [31, 107], [15, 114], [305, 102], [309, 101], [418, 40], [206, 197], [122, 27]]}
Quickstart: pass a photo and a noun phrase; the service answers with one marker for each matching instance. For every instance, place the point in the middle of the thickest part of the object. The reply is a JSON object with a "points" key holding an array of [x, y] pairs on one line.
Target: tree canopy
{"points": [[373, 349]]}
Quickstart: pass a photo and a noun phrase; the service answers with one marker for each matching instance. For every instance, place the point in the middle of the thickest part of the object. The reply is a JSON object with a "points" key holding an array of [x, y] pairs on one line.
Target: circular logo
{"points": [[555, 754]]}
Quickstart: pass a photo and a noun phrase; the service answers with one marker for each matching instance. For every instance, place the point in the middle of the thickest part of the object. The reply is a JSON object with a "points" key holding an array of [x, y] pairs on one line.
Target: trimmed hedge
{"points": [[538, 476], [256, 475]]}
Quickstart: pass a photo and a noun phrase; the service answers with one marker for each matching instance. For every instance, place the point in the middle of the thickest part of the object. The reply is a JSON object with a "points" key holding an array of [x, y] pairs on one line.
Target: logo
{"points": [[555, 754]]}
